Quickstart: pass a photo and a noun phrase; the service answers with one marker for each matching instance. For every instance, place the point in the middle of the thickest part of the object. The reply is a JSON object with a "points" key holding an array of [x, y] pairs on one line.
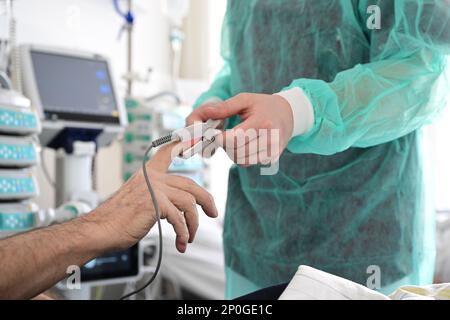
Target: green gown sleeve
{"points": [[220, 88], [403, 87]]}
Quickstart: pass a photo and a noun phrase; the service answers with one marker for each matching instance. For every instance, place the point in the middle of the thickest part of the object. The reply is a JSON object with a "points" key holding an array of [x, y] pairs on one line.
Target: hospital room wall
{"points": [[93, 25]]}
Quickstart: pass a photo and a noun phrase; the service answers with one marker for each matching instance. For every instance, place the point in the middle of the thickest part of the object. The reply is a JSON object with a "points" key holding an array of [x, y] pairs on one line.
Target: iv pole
{"points": [[129, 26]]}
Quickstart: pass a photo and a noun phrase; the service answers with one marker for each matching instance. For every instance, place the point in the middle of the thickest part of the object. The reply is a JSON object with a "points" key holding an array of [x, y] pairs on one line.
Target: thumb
{"points": [[221, 110], [195, 116], [231, 107], [202, 113], [205, 113]]}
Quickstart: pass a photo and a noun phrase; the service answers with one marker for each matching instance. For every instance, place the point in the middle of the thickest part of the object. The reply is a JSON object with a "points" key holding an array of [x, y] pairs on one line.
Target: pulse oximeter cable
{"points": [[154, 144]]}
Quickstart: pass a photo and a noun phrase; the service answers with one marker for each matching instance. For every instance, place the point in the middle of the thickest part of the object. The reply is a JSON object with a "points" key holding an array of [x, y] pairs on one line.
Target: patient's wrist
{"points": [[99, 232]]}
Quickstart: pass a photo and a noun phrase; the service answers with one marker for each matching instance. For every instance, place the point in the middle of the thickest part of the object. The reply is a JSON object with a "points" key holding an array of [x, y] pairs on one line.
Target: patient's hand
{"points": [[129, 214]]}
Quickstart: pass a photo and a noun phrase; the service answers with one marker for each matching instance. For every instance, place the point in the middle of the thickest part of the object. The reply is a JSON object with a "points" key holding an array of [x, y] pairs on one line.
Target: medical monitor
{"points": [[71, 89]]}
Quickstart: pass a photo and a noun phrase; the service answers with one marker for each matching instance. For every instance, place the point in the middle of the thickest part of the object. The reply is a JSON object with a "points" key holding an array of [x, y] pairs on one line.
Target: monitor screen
{"points": [[113, 265], [74, 88]]}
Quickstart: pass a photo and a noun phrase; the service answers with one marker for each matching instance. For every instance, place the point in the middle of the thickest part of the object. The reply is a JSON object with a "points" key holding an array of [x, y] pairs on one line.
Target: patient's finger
{"points": [[162, 159], [176, 218], [185, 202], [202, 197]]}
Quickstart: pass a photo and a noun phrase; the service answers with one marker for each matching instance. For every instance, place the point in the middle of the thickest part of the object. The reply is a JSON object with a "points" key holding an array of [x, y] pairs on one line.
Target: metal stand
{"points": [[74, 174], [74, 181], [84, 293]]}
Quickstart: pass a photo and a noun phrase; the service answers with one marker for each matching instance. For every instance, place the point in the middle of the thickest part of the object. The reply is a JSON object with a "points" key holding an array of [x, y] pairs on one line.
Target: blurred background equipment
{"points": [[176, 11], [19, 125], [75, 97]]}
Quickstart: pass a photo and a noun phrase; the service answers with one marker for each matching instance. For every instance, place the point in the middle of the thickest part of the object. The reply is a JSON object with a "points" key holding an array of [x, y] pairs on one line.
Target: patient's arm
{"points": [[34, 261]]}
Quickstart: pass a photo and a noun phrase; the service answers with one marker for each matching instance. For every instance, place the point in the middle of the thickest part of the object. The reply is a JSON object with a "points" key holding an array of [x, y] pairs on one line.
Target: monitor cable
{"points": [[154, 144]]}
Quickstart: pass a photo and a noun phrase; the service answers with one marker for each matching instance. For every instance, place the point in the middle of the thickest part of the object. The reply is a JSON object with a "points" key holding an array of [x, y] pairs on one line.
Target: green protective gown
{"points": [[350, 193]]}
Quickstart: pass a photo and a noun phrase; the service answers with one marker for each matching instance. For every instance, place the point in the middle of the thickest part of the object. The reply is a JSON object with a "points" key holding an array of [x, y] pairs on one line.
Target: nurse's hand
{"points": [[129, 214], [263, 134]]}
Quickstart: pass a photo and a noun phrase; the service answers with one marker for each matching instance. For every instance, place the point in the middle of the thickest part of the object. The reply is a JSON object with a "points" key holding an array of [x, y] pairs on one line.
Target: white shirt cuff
{"points": [[213, 100], [302, 110]]}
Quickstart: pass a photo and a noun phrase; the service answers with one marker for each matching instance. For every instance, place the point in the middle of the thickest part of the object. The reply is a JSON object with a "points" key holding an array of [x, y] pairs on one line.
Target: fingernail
{"points": [[181, 247]]}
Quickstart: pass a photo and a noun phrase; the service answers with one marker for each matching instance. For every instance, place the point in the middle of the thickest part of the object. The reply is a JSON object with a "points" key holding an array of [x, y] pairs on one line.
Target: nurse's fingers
{"points": [[256, 151], [248, 154], [234, 139], [231, 107], [203, 113]]}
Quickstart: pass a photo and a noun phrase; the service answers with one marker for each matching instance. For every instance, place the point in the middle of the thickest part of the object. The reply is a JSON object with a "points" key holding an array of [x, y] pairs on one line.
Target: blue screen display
{"points": [[75, 85]]}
